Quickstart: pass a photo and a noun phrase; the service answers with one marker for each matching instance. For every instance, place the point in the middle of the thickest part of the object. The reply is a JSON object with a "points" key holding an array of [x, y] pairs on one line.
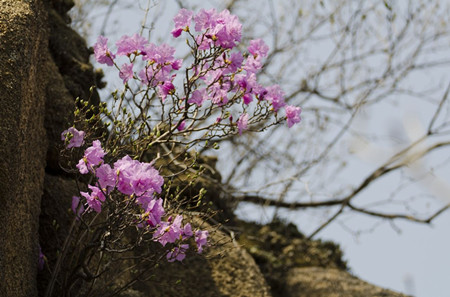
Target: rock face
{"points": [[295, 266], [44, 65], [329, 282], [23, 142]]}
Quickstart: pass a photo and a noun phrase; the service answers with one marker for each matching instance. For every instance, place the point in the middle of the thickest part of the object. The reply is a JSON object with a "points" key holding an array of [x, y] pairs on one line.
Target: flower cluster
{"points": [[221, 75], [231, 76], [159, 60], [140, 182]]}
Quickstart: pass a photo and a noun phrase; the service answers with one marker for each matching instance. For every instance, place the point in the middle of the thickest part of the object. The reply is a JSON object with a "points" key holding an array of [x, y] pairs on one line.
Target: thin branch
{"points": [[266, 201], [438, 110], [393, 216]]}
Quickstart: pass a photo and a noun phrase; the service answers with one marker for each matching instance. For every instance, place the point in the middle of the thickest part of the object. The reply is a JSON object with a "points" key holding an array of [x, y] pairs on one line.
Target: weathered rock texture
{"points": [[295, 266], [44, 65], [329, 282], [23, 39]]}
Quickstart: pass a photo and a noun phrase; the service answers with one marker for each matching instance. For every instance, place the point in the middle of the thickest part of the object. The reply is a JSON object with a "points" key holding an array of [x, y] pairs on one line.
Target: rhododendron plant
{"points": [[133, 155]]}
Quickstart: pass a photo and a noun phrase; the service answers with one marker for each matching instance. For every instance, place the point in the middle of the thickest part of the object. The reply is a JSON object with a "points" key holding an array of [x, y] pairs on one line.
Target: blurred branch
{"points": [[428, 220]]}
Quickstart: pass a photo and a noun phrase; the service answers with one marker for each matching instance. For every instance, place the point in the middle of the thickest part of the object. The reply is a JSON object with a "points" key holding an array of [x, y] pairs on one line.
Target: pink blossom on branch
{"points": [[201, 239], [126, 72], [275, 95], [93, 156], [181, 125], [128, 45], [102, 53], [228, 30], [75, 202], [153, 211], [106, 177], [167, 88], [205, 19], [292, 115], [77, 137], [95, 199], [162, 54], [182, 21], [258, 48], [224, 29], [242, 123], [177, 253], [169, 233], [198, 97], [224, 77], [134, 177]]}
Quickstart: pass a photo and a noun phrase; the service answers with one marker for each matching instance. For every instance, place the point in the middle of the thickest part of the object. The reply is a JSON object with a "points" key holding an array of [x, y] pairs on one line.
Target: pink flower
{"points": [[124, 168], [182, 21], [219, 94], [167, 232], [203, 42], [145, 179], [126, 72], [128, 45], [181, 125], [94, 199], [242, 122], [134, 177], [292, 115], [224, 29], [248, 84], [253, 65], [177, 253], [228, 30], [95, 153], [176, 65], [102, 53], [75, 203], [106, 177], [77, 137], [247, 99], [160, 54], [167, 88], [197, 97], [275, 95], [147, 76], [205, 19], [236, 60], [82, 166], [93, 156], [201, 239], [258, 48], [153, 212], [187, 231]]}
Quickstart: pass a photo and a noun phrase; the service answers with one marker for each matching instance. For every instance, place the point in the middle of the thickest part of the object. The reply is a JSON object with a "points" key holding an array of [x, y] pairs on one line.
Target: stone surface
{"points": [[330, 282], [54, 223], [23, 145]]}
